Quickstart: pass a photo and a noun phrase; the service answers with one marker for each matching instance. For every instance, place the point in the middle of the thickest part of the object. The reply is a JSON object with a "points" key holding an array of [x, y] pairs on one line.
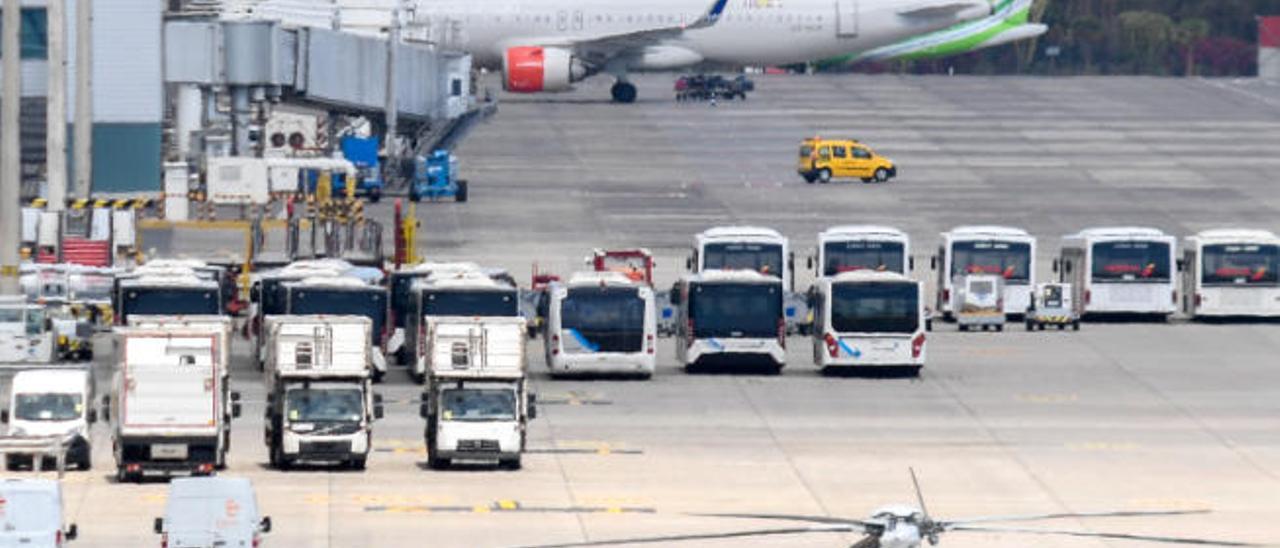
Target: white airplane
{"points": [[547, 45]]}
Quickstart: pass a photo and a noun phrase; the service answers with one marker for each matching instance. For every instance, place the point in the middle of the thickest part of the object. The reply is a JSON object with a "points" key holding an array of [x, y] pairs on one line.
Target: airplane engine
{"points": [[533, 69]]}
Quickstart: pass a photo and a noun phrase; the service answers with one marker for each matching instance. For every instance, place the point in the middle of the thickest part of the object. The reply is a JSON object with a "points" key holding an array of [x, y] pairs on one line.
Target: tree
{"points": [[1147, 34], [1087, 33], [1187, 35]]}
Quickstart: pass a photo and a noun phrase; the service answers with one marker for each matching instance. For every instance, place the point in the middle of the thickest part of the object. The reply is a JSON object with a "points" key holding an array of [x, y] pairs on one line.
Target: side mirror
{"points": [[424, 410], [688, 264], [533, 405], [159, 526], [378, 412], [377, 399], [235, 410], [809, 263], [1066, 267], [92, 416], [933, 262], [106, 400], [1181, 264], [4, 416], [72, 532], [265, 526], [911, 264], [1056, 266], [235, 396], [48, 324]]}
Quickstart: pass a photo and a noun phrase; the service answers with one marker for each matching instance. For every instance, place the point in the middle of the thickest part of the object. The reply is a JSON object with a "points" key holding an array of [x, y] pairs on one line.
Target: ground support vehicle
{"points": [[868, 319], [731, 319], [166, 403], [320, 401], [476, 401], [822, 160], [211, 512], [459, 295], [1003, 251], [601, 323], [1231, 273], [31, 514], [362, 152], [1052, 305], [51, 403], [1121, 271], [978, 302], [435, 177]]}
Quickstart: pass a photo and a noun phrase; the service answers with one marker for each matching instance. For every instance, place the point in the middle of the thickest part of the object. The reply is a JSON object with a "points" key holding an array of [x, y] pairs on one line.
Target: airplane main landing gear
{"points": [[623, 92]]}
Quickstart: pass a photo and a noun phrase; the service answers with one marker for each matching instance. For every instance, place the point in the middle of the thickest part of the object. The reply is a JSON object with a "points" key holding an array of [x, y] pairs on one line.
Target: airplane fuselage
{"points": [[749, 32]]}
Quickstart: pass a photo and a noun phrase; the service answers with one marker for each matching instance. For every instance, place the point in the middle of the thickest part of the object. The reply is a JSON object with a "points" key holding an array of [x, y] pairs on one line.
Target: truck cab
{"points": [[211, 512], [26, 333], [31, 514], [52, 402], [320, 401], [477, 402]]}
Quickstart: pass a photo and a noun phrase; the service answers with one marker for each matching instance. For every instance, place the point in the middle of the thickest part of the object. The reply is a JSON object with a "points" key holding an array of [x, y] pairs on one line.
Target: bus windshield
{"points": [[876, 307], [603, 320], [762, 258], [470, 303], [1240, 264], [1012, 260], [735, 310], [1131, 262], [862, 255], [370, 303], [170, 301]]}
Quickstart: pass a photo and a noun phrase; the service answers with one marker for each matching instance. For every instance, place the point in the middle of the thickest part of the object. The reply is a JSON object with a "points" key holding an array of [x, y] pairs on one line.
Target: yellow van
{"points": [[824, 159]]}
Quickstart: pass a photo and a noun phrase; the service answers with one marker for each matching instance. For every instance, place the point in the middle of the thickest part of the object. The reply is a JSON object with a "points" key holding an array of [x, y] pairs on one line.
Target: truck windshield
{"points": [[370, 303], [603, 319], [324, 405], [470, 303], [862, 255], [735, 310], [170, 301], [472, 404], [27, 511], [875, 308], [11, 315], [762, 258], [1241, 264], [1131, 262], [1012, 260], [47, 407]]}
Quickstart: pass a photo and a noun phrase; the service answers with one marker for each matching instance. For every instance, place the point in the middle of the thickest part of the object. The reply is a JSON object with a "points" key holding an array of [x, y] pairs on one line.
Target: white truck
{"points": [[218, 326], [166, 403], [476, 402], [320, 400], [26, 333], [51, 402]]}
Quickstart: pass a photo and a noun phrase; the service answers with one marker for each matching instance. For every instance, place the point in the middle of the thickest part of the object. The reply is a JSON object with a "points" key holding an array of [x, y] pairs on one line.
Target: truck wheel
{"points": [[510, 464], [461, 195], [882, 175], [414, 196], [357, 463], [1030, 326], [999, 327], [1075, 326], [436, 463], [11, 463], [963, 327], [123, 476], [824, 176], [375, 195]]}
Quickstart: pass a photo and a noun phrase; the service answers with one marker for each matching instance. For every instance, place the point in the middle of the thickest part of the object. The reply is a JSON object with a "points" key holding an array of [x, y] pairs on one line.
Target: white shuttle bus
{"points": [[1006, 252], [868, 319], [1232, 273], [601, 322], [757, 249], [731, 319], [1121, 270], [861, 247]]}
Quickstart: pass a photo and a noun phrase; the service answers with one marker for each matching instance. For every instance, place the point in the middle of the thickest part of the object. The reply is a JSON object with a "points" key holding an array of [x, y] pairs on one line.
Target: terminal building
{"points": [[181, 80]]}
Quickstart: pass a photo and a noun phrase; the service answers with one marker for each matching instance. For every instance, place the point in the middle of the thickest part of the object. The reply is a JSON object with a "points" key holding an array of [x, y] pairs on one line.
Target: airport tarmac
{"points": [[1117, 416]]}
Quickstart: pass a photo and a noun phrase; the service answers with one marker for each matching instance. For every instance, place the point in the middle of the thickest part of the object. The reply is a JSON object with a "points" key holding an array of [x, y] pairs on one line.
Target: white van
{"points": [[217, 511], [869, 319], [601, 322], [31, 515], [731, 318], [52, 402]]}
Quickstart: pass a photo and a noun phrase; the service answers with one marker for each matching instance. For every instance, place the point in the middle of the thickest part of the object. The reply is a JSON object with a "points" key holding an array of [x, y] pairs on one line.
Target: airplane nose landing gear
{"points": [[623, 92]]}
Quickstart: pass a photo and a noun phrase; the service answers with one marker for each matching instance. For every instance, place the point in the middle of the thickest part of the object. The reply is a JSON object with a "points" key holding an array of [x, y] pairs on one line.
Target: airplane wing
{"points": [[602, 47]]}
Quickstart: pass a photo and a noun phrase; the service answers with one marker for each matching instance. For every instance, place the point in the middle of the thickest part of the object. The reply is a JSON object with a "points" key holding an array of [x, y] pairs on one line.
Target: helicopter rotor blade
{"points": [[869, 541], [1071, 515], [1117, 536], [870, 527], [705, 536], [919, 494]]}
